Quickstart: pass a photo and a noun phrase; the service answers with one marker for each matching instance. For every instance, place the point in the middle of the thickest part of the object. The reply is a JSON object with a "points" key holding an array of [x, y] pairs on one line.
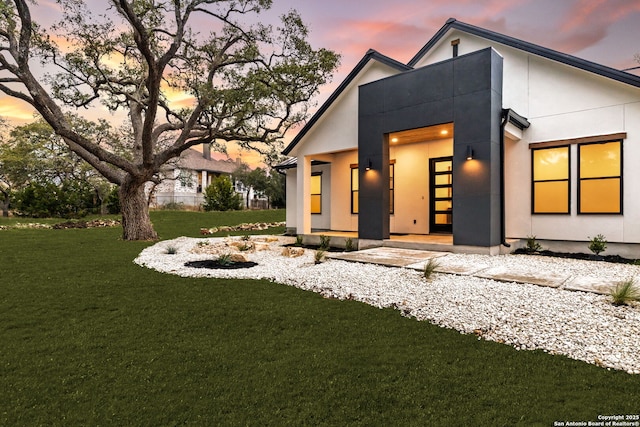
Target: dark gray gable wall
{"points": [[467, 91]]}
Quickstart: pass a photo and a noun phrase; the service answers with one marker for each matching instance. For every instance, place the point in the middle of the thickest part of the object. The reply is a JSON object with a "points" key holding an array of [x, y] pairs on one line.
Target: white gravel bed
{"points": [[580, 325]]}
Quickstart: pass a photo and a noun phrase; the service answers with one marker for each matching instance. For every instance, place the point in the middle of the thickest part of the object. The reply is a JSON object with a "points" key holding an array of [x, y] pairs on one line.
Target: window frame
{"points": [[354, 193], [620, 177], [392, 184], [311, 194], [534, 182], [392, 187]]}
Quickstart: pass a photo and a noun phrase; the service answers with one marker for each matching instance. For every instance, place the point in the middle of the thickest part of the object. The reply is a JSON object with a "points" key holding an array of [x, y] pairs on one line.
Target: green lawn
{"points": [[89, 338]]}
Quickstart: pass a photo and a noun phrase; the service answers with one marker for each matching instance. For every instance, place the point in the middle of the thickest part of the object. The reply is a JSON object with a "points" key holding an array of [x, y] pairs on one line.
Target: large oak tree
{"points": [[249, 82]]}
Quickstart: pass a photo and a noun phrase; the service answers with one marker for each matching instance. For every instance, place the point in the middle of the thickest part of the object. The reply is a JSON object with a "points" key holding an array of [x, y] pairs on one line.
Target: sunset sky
{"points": [[603, 31]]}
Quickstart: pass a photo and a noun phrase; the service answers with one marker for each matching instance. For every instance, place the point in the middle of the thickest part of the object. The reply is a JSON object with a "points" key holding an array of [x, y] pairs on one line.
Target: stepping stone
{"points": [[393, 257], [591, 284], [461, 270], [547, 278]]}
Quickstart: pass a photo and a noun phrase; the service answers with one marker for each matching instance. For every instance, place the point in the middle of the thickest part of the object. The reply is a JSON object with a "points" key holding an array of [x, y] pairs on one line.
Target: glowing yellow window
{"points": [[316, 194], [354, 189], [551, 180], [600, 178]]}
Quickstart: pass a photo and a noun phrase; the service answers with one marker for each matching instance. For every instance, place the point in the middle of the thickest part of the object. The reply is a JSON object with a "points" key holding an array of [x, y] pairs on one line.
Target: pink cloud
{"points": [[15, 111]]}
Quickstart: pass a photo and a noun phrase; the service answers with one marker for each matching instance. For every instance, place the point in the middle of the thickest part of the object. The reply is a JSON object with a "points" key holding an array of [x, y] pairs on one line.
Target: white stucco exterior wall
{"points": [[561, 102], [337, 129]]}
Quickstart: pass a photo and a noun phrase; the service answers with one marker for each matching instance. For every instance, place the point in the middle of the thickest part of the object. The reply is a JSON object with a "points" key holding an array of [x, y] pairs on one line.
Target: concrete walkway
{"points": [[416, 259]]}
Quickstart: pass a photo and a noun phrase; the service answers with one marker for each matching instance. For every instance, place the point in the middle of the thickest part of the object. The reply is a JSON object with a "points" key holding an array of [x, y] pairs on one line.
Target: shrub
{"points": [[299, 240], [429, 268], [348, 244], [598, 244], [319, 256], [72, 199], [532, 245], [225, 259], [625, 292], [113, 201], [171, 250], [325, 241], [221, 196]]}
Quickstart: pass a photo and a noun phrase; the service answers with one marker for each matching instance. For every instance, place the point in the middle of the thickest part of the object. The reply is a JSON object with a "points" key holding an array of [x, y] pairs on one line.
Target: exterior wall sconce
{"points": [[368, 166], [469, 153]]}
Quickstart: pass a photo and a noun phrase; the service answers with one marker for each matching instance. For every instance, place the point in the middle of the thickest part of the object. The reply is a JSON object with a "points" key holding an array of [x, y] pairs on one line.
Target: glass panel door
{"points": [[441, 195]]}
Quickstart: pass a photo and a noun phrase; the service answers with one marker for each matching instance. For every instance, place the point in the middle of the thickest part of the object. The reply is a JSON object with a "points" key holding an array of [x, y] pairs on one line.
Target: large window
{"points": [[551, 180], [316, 193], [355, 188], [600, 178]]}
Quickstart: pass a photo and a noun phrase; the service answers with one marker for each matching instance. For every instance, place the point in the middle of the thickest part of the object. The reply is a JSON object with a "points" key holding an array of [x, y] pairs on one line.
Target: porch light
{"points": [[368, 167], [469, 153]]}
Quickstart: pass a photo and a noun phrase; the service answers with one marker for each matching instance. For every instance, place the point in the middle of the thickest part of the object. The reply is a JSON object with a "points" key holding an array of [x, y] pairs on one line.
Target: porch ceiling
{"points": [[430, 133]]}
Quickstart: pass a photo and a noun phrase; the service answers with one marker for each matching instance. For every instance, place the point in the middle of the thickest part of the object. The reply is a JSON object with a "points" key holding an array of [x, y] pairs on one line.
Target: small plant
{"points": [[429, 268], [204, 243], [246, 238], [299, 240], [225, 259], [532, 245], [598, 244], [245, 247], [319, 256], [624, 292], [348, 244], [171, 250], [325, 241]]}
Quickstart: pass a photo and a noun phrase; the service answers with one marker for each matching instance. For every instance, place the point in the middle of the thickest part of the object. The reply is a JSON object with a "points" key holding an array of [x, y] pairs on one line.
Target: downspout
{"points": [[503, 232]]}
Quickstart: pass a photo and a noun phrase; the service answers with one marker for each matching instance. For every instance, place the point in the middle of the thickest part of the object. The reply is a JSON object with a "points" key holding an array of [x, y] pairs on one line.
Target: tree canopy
{"points": [[247, 83], [34, 155]]}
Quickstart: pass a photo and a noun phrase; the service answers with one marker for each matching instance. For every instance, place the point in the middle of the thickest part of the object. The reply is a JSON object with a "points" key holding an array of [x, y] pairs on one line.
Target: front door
{"points": [[441, 195]]}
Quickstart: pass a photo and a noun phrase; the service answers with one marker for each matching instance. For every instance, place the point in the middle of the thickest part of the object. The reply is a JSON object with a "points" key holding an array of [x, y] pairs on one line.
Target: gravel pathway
{"points": [[580, 325]]}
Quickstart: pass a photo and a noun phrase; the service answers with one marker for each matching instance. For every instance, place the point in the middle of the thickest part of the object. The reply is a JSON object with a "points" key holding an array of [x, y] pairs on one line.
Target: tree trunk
{"points": [[136, 223]]}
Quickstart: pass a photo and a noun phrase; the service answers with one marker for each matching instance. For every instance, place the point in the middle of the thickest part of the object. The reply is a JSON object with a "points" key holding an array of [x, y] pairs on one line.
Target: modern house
{"points": [[479, 141]]}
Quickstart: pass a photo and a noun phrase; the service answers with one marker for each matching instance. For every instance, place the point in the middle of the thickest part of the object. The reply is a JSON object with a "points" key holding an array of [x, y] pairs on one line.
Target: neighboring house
{"points": [[186, 179], [481, 136]]}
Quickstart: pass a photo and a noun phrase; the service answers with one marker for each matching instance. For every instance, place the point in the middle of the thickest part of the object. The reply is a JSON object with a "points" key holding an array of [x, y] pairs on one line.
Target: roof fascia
{"points": [[534, 49], [370, 55]]}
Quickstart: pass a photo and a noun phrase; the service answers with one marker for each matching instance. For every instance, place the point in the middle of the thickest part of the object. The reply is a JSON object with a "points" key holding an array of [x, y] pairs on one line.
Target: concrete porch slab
{"points": [[591, 284], [549, 279], [393, 257]]}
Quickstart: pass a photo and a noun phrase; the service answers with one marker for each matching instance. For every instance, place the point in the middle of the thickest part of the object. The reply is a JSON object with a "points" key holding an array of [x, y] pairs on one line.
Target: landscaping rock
{"points": [[238, 257], [292, 252]]}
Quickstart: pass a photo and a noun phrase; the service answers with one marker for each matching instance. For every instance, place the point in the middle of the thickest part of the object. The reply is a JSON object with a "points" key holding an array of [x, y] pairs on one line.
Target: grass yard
{"points": [[89, 338]]}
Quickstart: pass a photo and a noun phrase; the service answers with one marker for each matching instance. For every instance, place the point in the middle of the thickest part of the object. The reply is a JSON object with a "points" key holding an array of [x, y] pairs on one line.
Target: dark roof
{"points": [[544, 52], [370, 55], [195, 160], [291, 162]]}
